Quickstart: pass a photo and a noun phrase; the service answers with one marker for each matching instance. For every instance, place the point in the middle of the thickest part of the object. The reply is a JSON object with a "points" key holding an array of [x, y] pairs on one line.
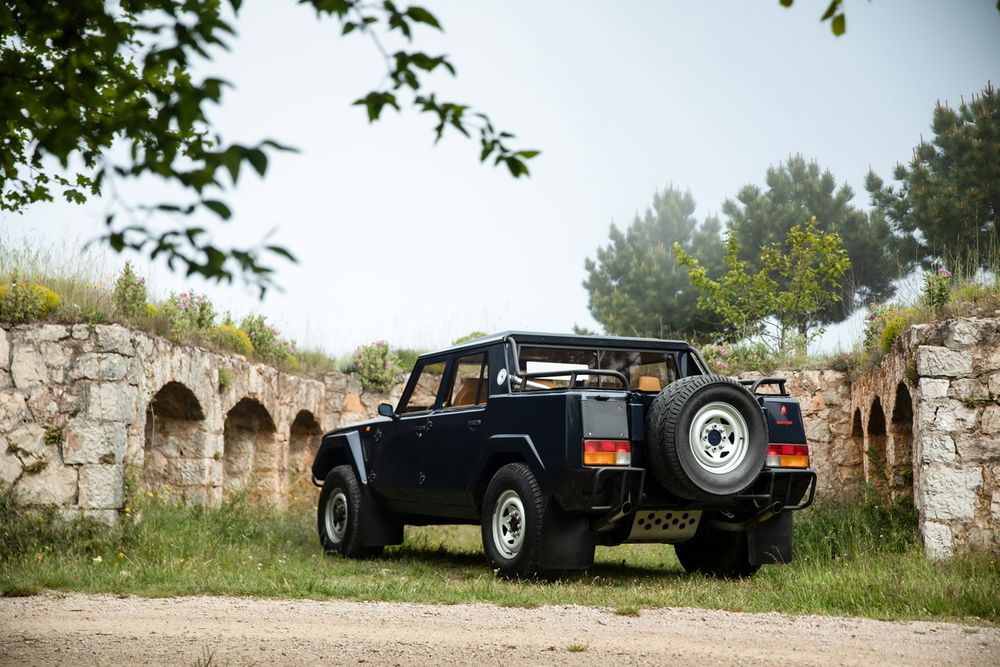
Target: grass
{"points": [[856, 559]]}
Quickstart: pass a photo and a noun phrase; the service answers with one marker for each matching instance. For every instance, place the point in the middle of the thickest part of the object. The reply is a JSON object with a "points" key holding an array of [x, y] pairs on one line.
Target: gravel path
{"points": [[75, 629]]}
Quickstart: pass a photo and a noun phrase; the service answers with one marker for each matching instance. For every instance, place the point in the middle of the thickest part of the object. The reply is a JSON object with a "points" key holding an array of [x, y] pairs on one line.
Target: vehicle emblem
{"points": [[501, 376], [784, 411]]}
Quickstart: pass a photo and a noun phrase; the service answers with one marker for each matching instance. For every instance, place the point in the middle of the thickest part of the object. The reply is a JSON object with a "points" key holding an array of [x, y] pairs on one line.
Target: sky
{"points": [[418, 244]]}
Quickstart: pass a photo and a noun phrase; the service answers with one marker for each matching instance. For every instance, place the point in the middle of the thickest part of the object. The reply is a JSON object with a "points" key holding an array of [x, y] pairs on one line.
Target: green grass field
{"points": [[858, 559]]}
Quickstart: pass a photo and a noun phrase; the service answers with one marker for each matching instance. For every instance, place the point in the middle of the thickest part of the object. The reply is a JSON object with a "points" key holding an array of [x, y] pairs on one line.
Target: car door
{"points": [[454, 444], [398, 473]]}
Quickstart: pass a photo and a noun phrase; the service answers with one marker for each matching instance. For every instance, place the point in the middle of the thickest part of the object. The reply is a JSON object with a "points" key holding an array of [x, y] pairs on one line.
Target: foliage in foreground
{"points": [[859, 558]]}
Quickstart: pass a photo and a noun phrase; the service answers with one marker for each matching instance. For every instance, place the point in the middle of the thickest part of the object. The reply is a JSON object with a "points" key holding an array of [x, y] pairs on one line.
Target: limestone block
{"points": [[55, 484], [933, 388], [990, 423], [80, 332], [817, 431], [10, 465], [45, 333], [950, 493], [27, 442], [995, 506], [993, 384], [101, 367], [941, 361], [978, 450], [135, 373], [194, 472], [111, 401], [967, 390], [4, 351], [101, 486], [13, 411], [57, 357], [938, 541], [948, 416], [964, 333], [114, 338], [89, 442], [28, 367], [937, 448]]}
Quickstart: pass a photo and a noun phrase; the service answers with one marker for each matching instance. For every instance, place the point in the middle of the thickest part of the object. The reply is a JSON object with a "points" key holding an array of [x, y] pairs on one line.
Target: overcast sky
{"points": [[419, 244]]}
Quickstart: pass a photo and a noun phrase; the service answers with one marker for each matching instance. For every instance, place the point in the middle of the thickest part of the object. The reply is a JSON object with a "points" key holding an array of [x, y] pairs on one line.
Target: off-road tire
{"points": [[338, 515], [717, 553], [669, 450], [516, 479]]}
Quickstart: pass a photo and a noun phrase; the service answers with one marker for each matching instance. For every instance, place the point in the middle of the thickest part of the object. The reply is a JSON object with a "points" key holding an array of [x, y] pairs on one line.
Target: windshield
{"points": [[550, 368]]}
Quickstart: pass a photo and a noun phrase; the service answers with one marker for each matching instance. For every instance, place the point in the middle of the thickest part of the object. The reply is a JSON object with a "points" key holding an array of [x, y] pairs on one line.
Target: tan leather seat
{"points": [[467, 392], [649, 383]]}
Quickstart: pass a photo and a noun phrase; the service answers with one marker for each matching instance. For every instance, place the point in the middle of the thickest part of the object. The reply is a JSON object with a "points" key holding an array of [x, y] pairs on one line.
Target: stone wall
{"points": [[930, 420], [80, 404]]}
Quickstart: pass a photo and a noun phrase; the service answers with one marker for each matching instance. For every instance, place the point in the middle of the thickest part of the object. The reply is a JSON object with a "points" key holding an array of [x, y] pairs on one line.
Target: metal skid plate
{"points": [[661, 526]]}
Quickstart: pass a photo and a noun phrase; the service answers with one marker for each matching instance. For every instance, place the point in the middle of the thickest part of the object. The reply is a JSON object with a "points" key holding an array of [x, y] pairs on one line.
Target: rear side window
{"points": [[423, 397], [469, 382], [646, 370]]}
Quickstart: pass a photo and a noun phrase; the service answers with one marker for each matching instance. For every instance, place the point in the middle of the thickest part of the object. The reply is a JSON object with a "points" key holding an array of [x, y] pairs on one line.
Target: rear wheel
{"points": [[338, 515], [511, 521], [716, 553]]}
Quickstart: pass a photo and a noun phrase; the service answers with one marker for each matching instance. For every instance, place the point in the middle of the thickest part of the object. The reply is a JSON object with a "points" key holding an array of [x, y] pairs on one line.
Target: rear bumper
{"points": [[604, 489]]}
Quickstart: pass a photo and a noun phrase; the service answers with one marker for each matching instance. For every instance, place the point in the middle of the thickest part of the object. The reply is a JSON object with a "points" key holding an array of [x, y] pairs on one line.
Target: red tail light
{"points": [[787, 456], [607, 452]]}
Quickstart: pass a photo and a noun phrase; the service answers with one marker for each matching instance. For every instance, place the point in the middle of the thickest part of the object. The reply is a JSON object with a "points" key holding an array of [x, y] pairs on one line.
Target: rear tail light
{"points": [[607, 453], [787, 456]]}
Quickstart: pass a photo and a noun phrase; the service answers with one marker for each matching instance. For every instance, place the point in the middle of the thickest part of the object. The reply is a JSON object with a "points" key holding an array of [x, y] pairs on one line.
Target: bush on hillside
{"points": [[232, 339], [268, 345], [130, 294], [188, 313], [24, 301], [376, 365]]}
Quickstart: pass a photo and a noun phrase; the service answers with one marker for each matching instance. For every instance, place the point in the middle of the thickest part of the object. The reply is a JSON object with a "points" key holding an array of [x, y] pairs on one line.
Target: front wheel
{"points": [[338, 515], [717, 553], [511, 521]]}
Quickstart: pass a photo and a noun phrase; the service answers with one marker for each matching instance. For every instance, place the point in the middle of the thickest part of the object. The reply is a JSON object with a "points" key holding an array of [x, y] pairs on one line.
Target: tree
{"points": [[78, 77], [950, 192], [635, 284], [797, 190], [795, 283]]}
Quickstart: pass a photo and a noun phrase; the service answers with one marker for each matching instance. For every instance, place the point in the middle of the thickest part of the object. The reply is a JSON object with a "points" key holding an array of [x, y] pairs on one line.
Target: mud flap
{"points": [[771, 542], [567, 541], [378, 529]]}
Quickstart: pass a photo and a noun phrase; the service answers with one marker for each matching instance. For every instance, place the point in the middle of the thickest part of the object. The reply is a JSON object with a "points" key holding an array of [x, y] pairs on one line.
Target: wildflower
{"points": [[149, 493], [128, 510], [942, 271], [97, 559], [121, 555]]}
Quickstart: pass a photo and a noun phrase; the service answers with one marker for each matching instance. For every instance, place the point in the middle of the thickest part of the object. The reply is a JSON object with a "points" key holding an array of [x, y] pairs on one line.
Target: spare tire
{"points": [[706, 437]]}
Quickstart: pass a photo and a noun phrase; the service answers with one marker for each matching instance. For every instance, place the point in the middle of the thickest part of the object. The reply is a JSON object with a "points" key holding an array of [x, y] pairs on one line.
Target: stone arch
{"points": [[250, 450], [174, 435], [901, 427], [875, 452], [303, 440]]}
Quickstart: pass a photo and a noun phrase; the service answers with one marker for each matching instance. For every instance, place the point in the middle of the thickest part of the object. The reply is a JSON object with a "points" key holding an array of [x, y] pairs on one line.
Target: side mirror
{"points": [[385, 410]]}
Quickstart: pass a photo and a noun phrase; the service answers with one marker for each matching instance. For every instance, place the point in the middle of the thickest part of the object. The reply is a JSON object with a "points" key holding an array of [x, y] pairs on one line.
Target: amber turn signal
{"points": [[607, 452]]}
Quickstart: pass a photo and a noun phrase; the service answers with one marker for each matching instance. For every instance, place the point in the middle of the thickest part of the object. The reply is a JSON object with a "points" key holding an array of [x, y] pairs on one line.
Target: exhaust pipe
{"points": [[614, 516]]}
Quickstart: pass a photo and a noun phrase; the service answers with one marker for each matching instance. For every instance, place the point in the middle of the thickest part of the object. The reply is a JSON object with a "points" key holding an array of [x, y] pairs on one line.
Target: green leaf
{"points": [[831, 10], [258, 160], [839, 25], [219, 208], [421, 15]]}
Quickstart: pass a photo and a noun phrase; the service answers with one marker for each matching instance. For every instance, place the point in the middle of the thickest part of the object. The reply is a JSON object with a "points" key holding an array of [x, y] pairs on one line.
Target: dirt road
{"points": [[106, 630]]}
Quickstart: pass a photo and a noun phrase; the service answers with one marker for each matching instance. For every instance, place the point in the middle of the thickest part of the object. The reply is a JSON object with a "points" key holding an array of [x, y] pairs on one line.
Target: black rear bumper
{"points": [[604, 489]]}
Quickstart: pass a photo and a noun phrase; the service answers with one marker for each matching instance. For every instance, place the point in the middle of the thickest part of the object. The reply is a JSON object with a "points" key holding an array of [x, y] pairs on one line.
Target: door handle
{"points": [[422, 428], [474, 423]]}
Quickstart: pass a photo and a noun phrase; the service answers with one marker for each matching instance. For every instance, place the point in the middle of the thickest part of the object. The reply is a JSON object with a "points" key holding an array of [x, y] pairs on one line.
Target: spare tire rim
{"points": [[336, 516], [719, 438], [508, 524]]}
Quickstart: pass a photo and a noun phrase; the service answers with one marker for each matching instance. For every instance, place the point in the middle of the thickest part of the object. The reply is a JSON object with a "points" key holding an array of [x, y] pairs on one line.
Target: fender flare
{"points": [[337, 449]]}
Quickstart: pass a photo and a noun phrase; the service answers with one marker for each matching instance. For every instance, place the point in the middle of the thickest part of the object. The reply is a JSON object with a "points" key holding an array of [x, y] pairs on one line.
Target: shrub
{"points": [[407, 358], [376, 365], [267, 343], [24, 301], [472, 335], [937, 289], [188, 313], [232, 339], [895, 323], [130, 294]]}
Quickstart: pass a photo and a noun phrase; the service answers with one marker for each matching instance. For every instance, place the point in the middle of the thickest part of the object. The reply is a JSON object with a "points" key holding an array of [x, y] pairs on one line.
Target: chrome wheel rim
{"points": [[335, 516], [718, 438], [508, 524]]}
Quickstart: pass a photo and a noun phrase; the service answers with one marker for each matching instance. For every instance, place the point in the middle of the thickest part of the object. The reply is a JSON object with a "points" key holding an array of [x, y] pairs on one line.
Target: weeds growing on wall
{"points": [[851, 558]]}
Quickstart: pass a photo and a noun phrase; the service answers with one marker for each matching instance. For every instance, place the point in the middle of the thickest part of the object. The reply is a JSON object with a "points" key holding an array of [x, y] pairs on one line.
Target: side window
{"points": [[425, 391], [469, 382]]}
